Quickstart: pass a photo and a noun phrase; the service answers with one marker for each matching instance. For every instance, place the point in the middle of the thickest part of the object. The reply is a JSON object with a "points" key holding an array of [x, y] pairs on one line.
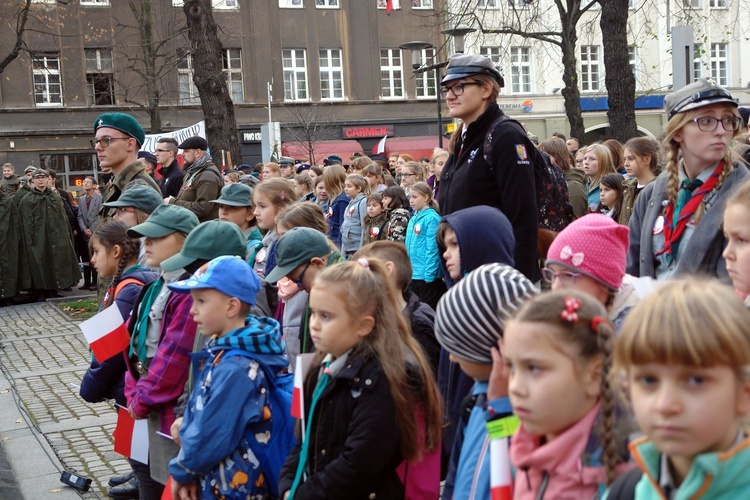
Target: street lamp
{"points": [[416, 49], [458, 33]]}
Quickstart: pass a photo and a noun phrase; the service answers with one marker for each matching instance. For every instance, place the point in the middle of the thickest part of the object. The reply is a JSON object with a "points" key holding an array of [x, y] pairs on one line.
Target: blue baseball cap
{"points": [[230, 275]]}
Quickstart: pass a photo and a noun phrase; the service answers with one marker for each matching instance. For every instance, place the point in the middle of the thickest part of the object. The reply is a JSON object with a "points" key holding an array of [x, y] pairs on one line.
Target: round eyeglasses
{"points": [[457, 89]]}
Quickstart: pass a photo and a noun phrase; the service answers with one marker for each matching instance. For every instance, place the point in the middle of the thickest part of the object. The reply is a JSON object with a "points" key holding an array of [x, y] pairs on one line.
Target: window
{"points": [[520, 70], [520, 4], [426, 81], [71, 168], [391, 74], [421, 4], [331, 74], [590, 76], [47, 80], [633, 62], [99, 80], [290, 4], [488, 4], [216, 4], [94, 2], [295, 74], [632, 4], [232, 64], [719, 64], [383, 4], [698, 66], [188, 94], [327, 4], [493, 53], [691, 4], [717, 4]]}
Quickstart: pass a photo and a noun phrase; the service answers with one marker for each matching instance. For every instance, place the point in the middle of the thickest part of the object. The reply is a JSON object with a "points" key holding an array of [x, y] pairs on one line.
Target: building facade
{"points": [[333, 63]]}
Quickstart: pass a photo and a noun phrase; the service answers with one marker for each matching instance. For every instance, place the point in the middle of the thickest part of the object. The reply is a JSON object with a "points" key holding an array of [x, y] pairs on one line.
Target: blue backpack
{"points": [[274, 452]]}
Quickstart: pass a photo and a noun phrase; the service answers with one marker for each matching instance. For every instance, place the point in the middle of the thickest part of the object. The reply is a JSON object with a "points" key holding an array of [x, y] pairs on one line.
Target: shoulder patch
{"points": [[521, 152]]}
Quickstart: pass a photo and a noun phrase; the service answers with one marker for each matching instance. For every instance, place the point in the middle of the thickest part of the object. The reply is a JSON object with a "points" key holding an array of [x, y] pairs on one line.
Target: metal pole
{"points": [[439, 107]]}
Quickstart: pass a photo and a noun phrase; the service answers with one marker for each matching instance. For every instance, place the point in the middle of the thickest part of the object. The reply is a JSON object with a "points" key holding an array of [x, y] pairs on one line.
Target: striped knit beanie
{"points": [[471, 316]]}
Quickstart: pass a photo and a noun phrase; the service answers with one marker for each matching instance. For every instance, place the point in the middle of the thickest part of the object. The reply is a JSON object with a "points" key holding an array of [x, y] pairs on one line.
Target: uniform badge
{"points": [[417, 228], [521, 152]]}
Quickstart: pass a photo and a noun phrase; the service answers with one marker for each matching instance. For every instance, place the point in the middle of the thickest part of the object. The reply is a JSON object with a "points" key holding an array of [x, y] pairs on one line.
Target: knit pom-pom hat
{"points": [[594, 245]]}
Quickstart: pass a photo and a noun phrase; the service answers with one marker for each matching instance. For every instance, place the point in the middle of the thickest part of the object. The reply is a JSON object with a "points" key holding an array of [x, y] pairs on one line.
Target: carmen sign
{"points": [[373, 131]]}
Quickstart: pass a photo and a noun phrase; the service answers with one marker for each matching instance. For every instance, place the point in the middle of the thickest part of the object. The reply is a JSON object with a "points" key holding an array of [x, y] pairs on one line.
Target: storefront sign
{"points": [[362, 132]]}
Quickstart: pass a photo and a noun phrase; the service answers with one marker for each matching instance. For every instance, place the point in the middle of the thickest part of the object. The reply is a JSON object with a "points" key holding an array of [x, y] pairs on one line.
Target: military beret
{"points": [[122, 122]]}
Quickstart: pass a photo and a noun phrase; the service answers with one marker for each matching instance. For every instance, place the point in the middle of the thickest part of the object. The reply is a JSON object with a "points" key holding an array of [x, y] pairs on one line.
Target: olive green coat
{"points": [[132, 174], [10, 248], [50, 257]]}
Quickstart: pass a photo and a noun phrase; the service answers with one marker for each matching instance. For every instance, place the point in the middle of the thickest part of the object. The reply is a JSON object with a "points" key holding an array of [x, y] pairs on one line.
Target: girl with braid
{"points": [[675, 228], [115, 255], [557, 351]]}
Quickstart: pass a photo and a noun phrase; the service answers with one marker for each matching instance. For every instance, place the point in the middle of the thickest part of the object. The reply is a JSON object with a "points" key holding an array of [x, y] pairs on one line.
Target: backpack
{"points": [[272, 456], [554, 211]]}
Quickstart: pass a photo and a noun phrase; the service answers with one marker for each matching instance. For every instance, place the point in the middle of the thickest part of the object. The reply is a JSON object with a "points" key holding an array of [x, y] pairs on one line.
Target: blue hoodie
{"points": [[484, 236], [228, 403]]}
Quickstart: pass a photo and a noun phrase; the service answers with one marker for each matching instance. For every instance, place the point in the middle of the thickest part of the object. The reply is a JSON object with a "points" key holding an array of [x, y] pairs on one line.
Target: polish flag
{"points": [[167, 493], [298, 399], [388, 6], [106, 333], [381, 146], [501, 485], [131, 436]]}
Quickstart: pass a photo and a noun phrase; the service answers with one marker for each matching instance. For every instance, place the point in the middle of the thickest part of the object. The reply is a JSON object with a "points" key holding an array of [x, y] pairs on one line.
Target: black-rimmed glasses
{"points": [[709, 123], [457, 89]]}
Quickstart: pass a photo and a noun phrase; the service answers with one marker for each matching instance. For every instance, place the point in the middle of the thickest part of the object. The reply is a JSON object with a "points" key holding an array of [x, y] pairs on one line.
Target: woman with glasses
{"points": [[676, 223], [492, 159]]}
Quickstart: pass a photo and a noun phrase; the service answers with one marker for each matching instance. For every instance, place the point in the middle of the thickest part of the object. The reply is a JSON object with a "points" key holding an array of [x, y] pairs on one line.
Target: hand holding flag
{"points": [[106, 333]]}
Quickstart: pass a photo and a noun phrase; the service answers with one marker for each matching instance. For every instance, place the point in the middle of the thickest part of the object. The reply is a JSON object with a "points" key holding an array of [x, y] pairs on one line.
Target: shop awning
{"points": [[321, 150], [416, 146]]}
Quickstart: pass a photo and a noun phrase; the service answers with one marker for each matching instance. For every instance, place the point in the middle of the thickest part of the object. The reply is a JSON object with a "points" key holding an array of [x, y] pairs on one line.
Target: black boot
{"points": [[94, 279], [125, 491]]}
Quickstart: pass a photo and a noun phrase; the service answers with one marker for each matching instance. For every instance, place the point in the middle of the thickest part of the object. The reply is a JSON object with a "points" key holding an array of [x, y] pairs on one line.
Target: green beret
{"points": [[122, 122]]}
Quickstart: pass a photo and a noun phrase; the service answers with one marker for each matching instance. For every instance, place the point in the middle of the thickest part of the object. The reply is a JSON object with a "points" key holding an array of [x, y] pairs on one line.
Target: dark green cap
{"points": [[209, 240], [138, 196], [165, 220], [235, 195], [296, 247], [122, 122]]}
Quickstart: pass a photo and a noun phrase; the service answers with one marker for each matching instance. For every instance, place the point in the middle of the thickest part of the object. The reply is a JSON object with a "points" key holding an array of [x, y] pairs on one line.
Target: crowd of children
{"points": [[438, 369]]}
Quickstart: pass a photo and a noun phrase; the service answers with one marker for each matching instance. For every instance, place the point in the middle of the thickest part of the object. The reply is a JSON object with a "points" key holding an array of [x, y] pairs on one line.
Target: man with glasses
{"points": [[118, 137], [49, 253], [301, 253], [171, 173]]}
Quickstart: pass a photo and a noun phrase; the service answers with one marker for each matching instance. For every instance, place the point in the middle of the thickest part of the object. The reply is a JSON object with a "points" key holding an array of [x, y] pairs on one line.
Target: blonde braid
{"points": [[673, 165]]}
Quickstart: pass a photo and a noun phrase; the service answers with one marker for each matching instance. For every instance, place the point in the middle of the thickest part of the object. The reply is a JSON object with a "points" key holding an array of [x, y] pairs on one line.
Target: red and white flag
{"points": [[388, 6], [381, 146], [501, 484], [131, 436], [106, 333], [298, 399]]}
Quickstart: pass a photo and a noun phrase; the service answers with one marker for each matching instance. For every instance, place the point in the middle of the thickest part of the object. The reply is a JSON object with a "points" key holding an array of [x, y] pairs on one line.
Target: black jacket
{"points": [[171, 179], [355, 447], [422, 321], [509, 184]]}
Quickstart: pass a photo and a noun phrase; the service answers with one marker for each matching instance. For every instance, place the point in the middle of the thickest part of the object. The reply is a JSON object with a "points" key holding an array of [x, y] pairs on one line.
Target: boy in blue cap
{"points": [[231, 419]]}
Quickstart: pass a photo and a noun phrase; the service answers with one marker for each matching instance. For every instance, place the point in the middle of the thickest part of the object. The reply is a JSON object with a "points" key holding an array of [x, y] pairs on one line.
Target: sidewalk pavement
{"points": [[45, 427]]}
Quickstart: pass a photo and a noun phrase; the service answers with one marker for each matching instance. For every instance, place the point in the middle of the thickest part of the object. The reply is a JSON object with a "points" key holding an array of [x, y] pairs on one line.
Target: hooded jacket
{"points": [[484, 236], [229, 401], [422, 246], [201, 185], [12, 269]]}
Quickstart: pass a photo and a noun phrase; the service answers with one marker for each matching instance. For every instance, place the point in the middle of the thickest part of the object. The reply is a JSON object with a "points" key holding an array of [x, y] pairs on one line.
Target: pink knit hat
{"points": [[594, 245]]}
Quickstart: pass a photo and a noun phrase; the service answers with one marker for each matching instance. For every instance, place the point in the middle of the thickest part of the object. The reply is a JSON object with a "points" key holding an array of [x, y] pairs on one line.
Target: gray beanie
{"points": [[471, 316]]}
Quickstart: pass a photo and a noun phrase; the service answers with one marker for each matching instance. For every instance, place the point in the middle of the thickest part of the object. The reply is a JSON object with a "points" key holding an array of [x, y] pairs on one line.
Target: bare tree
{"points": [[309, 125], [16, 18], [619, 77], [206, 49]]}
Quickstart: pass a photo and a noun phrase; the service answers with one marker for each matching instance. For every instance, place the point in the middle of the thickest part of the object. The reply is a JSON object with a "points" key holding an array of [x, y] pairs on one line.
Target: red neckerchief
{"points": [[673, 234]]}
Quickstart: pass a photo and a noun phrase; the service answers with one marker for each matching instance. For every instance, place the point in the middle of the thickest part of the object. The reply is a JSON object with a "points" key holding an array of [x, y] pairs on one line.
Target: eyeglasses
{"points": [[298, 281], [709, 123], [162, 151], [104, 141], [567, 278], [457, 89], [407, 175]]}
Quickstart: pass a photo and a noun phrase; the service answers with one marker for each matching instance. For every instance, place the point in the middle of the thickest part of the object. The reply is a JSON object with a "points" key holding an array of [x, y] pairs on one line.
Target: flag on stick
{"points": [[131, 436], [500, 431], [381, 146], [106, 333]]}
